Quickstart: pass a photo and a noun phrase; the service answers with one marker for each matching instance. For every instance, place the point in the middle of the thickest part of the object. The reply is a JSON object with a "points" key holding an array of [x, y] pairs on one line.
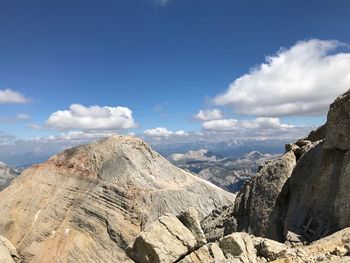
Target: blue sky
{"points": [[167, 60]]}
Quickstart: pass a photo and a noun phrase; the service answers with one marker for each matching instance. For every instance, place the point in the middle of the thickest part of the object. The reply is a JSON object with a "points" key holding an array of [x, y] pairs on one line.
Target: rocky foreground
{"points": [[295, 209]]}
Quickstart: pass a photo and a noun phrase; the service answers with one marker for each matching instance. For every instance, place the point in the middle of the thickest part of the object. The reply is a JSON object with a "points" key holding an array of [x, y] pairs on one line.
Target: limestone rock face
{"points": [[256, 202], [165, 240], [338, 123], [319, 193], [88, 203]]}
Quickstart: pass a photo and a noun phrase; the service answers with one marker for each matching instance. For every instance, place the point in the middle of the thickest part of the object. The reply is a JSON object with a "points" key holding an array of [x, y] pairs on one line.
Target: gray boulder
{"points": [[166, 240], [190, 219], [238, 246]]}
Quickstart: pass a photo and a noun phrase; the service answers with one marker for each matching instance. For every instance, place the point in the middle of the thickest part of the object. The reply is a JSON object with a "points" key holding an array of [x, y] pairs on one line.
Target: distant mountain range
{"points": [[225, 148], [7, 174], [229, 173]]}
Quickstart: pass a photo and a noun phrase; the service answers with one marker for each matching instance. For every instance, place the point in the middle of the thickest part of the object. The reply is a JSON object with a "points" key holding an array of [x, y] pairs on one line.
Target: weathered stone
{"points": [[257, 201], [216, 252], [219, 223], [190, 218], [318, 134], [305, 148], [166, 240], [338, 123], [271, 250], [199, 256], [238, 246], [302, 142], [318, 192], [291, 147]]}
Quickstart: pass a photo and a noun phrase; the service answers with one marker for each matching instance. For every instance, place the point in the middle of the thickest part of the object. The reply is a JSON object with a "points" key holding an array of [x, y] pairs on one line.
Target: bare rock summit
{"points": [[88, 203]]}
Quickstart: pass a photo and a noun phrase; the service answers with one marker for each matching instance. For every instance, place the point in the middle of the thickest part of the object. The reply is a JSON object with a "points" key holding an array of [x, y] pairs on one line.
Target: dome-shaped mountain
{"points": [[88, 203]]}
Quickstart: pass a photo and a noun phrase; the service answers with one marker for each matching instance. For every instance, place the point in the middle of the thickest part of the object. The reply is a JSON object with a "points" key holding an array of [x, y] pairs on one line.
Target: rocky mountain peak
{"points": [[89, 202], [253, 155]]}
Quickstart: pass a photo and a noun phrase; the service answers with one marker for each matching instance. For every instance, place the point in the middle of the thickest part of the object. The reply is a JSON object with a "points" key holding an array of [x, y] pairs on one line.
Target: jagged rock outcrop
{"points": [[88, 203], [317, 194], [304, 192], [255, 203], [338, 123], [301, 197]]}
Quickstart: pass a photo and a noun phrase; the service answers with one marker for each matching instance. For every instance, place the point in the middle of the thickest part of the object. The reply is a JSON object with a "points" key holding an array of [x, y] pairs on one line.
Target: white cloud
{"points": [[302, 80], [161, 132], [180, 133], [11, 96], [207, 115], [260, 123], [92, 118], [221, 125], [17, 118]]}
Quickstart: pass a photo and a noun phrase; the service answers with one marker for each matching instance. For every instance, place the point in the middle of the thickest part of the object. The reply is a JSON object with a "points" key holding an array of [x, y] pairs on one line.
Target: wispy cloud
{"points": [[161, 109], [160, 2], [8, 96], [260, 123], [207, 115], [17, 118]]}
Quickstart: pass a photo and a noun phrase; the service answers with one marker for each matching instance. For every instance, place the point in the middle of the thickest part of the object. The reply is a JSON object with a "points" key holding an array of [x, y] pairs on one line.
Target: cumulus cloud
{"points": [[260, 123], [92, 118], [221, 125], [10, 96], [162, 132], [207, 115], [301, 80]]}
